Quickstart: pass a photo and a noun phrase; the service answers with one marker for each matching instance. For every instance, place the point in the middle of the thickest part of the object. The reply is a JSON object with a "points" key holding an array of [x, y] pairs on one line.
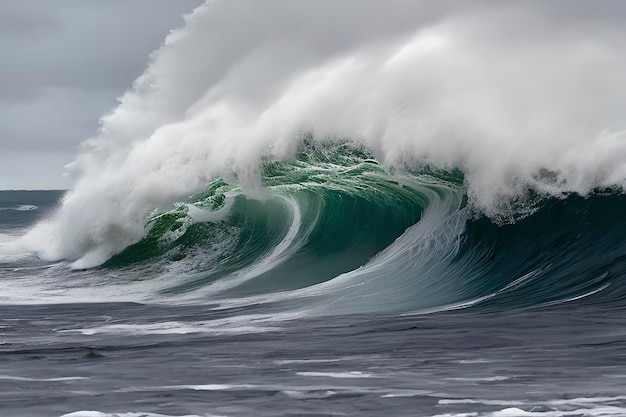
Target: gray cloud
{"points": [[81, 44], [64, 63]]}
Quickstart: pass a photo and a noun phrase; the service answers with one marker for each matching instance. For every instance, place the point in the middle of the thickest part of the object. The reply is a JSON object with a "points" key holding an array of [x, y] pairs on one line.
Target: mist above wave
{"points": [[518, 95]]}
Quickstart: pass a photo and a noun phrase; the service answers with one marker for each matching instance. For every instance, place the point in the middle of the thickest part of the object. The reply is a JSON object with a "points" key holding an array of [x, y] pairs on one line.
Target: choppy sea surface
{"points": [[135, 360]]}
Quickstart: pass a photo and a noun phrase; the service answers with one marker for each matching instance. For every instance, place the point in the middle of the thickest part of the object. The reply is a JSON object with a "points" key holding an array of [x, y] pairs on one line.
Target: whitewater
{"points": [[340, 208]]}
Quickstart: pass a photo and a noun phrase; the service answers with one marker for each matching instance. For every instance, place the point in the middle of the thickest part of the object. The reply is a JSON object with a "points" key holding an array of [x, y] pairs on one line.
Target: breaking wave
{"points": [[411, 157]]}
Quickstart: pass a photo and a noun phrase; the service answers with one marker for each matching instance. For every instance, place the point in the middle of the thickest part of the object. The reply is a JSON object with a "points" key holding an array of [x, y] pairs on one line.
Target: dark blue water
{"points": [[119, 341]]}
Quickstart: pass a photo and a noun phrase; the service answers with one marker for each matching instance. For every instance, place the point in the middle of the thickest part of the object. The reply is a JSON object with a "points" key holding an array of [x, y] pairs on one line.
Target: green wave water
{"points": [[332, 231]]}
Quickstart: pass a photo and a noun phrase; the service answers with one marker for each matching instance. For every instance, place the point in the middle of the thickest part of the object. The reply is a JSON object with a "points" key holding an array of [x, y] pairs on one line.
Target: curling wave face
{"points": [[482, 138], [333, 232], [329, 228]]}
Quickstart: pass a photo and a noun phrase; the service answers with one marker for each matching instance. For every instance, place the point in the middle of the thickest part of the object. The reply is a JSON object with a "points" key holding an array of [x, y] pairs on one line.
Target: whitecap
{"points": [[351, 374]]}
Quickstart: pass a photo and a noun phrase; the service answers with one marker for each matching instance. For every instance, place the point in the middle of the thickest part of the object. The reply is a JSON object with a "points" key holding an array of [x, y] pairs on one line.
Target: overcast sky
{"points": [[64, 63]]}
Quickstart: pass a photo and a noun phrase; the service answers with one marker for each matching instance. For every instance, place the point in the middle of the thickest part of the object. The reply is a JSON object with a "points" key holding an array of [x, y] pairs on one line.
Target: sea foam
{"points": [[515, 99]]}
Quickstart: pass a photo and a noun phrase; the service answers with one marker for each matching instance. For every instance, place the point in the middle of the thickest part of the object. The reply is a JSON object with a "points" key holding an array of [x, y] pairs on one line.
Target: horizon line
{"points": [[24, 189]]}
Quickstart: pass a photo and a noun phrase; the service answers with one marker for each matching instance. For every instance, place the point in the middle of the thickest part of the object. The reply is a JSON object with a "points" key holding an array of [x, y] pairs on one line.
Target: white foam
{"points": [[585, 406], [480, 401], [511, 412], [305, 361], [60, 379], [587, 400], [209, 387], [11, 249], [197, 387], [129, 414], [600, 411], [457, 86], [305, 395], [479, 379], [457, 415], [23, 207], [351, 374], [26, 207], [228, 326]]}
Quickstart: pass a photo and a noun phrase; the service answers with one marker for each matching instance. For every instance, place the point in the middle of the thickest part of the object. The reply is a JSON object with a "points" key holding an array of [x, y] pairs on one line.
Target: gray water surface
{"points": [[131, 358]]}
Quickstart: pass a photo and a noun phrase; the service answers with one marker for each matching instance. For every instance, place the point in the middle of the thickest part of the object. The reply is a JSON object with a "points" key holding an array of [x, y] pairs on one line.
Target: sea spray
{"points": [[414, 82]]}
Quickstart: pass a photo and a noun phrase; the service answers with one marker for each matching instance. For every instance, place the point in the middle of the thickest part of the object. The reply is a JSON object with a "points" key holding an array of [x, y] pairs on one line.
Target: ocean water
{"points": [[344, 289], [360, 208]]}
